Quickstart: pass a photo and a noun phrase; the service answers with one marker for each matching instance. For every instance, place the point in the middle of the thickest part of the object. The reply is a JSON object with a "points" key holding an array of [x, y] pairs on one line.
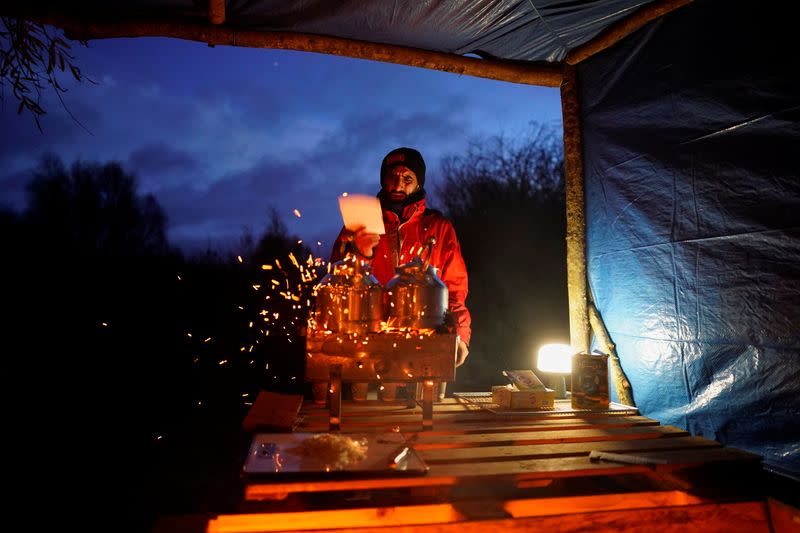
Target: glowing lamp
{"points": [[556, 359]]}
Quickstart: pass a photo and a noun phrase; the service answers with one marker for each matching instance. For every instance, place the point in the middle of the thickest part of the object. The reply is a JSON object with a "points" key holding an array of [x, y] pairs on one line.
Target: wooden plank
{"points": [[541, 451], [394, 417], [256, 490], [784, 518], [450, 475], [702, 456], [575, 466], [455, 405], [501, 472], [423, 441], [457, 413], [667, 512], [488, 426], [447, 512]]}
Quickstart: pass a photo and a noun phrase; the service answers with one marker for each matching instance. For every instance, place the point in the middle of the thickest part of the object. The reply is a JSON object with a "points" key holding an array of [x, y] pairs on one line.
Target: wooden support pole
{"points": [[621, 383], [623, 28], [216, 11], [576, 218], [513, 72]]}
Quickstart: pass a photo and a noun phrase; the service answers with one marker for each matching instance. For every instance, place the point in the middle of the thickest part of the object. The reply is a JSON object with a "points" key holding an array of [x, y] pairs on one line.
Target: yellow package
{"points": [[525, 380], [511, 398]]}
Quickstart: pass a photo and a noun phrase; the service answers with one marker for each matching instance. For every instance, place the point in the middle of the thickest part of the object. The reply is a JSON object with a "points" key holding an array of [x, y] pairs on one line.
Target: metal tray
{"points": [[279, 456]]}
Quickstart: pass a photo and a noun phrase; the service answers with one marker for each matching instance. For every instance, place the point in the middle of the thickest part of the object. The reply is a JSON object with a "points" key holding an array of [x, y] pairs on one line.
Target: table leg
{"points": [[411, 394], [335, 398], [427, 405]]}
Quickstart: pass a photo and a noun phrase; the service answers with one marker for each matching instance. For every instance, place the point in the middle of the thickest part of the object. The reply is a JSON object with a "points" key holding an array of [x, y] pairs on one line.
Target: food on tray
{"points": [[336, 452]]}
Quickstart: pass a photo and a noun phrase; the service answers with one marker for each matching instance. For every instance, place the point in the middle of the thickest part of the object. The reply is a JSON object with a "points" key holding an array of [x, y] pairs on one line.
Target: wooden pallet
{"points": [[516, 470]]}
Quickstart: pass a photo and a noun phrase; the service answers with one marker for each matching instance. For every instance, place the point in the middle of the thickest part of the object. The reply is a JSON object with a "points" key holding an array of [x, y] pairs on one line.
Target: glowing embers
{"points": [[387, 355]]}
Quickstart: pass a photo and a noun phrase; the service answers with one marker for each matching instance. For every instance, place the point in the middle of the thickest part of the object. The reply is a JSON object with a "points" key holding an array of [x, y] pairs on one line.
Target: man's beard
{"points": [[398, 196], [399, 202]]}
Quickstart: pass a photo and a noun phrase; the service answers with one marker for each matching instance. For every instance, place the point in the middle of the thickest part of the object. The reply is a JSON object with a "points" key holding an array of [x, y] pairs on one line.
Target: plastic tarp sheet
{"points": [[691, 139], [523, 30]]}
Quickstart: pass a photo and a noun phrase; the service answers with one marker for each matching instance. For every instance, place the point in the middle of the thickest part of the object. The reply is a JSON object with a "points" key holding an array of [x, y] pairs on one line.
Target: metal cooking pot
{"points": [[349, 299], [417, 297]]}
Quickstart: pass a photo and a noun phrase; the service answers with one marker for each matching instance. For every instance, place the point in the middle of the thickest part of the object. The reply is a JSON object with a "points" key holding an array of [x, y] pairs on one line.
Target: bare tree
{"points": [[506, 200], [94, 209], [32, 56]]}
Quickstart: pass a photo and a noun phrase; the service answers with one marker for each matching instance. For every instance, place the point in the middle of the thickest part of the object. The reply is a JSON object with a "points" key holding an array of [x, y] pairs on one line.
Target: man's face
{"points": [[400, 182]]}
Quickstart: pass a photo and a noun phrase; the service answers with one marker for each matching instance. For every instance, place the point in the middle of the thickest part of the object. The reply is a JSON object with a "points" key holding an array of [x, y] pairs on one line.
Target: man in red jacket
{"points": [[409, 224]]}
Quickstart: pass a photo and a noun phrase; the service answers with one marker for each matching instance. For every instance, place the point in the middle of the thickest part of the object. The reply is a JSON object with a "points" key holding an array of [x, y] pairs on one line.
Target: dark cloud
{"points": [[346, 160], [243, 201], [156, 158]]}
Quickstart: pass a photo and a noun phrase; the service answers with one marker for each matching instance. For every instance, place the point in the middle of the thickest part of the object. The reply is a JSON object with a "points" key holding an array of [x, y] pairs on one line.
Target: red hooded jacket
{"points": [[395, 248]]}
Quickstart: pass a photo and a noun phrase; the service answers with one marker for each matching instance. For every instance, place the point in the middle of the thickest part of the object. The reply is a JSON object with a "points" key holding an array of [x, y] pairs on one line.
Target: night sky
{"points": [[221, 135]]}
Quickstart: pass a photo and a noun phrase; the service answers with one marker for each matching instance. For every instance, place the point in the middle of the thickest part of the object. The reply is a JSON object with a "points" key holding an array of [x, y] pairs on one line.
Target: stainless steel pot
{"points": [[417, 297], [349, 299]]}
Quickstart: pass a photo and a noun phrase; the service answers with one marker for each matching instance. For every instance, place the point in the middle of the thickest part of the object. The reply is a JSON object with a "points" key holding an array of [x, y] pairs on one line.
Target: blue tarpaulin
{"points": [[691, 139]]}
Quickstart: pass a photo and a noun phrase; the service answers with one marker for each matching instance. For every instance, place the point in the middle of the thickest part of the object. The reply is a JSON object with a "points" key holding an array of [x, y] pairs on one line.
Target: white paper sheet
{"points": [[362, 210]]}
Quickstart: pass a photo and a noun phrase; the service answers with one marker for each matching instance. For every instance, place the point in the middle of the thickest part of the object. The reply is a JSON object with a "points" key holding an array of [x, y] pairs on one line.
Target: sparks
{"points": [[239, 258], [297, 213]]}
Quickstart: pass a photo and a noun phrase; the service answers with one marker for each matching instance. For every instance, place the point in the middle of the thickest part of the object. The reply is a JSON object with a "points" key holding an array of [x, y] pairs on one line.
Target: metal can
{"points": [[590, 381]]}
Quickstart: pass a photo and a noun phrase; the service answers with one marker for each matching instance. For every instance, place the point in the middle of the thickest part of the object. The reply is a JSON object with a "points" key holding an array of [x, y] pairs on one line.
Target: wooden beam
{"points": [[216, 11], [576, 218], [620, 30], [621, 383], [83, 29]]}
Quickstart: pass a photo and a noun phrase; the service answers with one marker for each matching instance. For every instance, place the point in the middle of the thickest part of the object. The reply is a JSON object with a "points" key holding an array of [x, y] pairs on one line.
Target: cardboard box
{"points": [[509, 397], [590, 381]]}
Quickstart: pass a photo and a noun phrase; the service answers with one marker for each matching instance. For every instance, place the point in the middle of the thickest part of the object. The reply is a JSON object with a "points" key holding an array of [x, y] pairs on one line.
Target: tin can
{"points": [[590, 381]]}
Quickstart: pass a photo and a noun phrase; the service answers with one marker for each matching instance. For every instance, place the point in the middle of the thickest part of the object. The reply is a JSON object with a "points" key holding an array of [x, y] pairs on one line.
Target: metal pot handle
{"points": [[429, 248]]}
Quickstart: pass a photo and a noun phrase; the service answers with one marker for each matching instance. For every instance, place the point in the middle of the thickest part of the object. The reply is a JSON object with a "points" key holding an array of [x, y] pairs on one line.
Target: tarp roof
{"points": [[511, 33]]}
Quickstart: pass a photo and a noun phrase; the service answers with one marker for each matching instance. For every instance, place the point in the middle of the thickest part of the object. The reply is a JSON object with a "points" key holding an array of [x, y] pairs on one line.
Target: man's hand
{"points": [[461, 353], [365, 242]]}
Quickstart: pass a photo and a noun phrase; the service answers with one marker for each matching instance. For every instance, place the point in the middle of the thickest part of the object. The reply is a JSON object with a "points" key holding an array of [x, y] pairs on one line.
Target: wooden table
{"points": [[492, 470]]}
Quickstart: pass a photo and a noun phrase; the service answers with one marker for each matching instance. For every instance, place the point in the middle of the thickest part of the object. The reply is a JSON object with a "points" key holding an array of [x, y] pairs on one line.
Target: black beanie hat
{"points": [[407, 157]]}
